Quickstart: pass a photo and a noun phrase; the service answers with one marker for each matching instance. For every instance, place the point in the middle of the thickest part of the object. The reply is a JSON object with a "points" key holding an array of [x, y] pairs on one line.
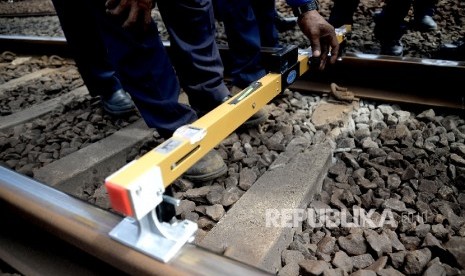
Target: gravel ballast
{"points": [[406, 173], [390, 158]]}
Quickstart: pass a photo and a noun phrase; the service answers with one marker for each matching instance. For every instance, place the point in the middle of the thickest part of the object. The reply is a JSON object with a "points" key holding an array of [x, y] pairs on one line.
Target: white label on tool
{"points": [[168, 146], [191, 133]]}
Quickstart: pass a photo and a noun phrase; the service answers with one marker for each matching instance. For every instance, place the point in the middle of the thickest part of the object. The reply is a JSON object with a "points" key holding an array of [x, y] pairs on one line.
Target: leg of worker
{"points": [[243, 35], [146, 71], [195, 54], [91, 57], [265, 11], [390, 26], [142, 66], [199, 67], [390, 22], [342, 12], [424, 7], [244, 39]]}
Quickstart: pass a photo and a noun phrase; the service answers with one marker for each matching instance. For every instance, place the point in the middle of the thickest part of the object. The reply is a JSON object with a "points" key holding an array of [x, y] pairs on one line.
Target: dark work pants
{"points": [[342, 12], [195, 55], [390, 24], [424, 7], [137, 60], [249, 25], [87, 46]]}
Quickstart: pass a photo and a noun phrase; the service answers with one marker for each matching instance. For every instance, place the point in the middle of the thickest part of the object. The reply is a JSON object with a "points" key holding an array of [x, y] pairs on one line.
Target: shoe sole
{"points": [[253, 123], [118, 113], [206, 177]]}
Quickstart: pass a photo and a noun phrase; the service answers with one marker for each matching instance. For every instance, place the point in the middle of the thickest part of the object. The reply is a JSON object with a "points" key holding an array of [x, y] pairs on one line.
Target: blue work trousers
{"points": [[342, 12], [249, 25], [110, 57]]}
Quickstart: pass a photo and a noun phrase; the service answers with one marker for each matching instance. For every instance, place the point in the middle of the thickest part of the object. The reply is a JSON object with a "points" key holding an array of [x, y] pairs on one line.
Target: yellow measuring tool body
{"points": [[137, 189]]}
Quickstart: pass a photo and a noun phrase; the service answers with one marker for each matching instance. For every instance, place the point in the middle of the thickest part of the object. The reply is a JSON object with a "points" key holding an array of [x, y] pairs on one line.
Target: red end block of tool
{"points": [[119, 199]]}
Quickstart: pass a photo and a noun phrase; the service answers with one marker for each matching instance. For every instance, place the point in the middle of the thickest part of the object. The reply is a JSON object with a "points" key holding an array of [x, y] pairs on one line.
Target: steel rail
{"points": [[401, 72], [86, 227], [25, 14], [386, 95], [411, 81], [417, 81], [35, 45]]}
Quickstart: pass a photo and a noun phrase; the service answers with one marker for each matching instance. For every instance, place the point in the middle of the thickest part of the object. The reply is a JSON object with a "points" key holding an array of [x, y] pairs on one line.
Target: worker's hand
{"points": [[137, 11], [321, 35]]}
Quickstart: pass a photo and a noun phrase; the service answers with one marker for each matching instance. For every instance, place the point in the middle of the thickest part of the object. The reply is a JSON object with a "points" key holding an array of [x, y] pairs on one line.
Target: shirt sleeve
{"points": [[296, 3]]}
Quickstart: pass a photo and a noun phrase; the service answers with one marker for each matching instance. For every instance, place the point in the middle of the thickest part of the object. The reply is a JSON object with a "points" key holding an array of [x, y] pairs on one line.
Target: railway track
{"points": [[27, 14], [66, 141], [401, 80], [22, 9]]}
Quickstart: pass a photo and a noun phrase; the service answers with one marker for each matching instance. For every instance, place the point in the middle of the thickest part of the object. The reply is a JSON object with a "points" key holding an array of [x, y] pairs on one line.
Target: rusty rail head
{"points": [[435, 80], [86, 227]]}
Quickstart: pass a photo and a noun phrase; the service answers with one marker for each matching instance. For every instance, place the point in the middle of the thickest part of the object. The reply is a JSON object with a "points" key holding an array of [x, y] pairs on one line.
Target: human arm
{"points": [[320, 33], [136, 10]]}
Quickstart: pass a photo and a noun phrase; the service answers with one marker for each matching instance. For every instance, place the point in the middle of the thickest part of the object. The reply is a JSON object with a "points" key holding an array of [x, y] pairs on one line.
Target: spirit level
{"points": [[137, 189]]}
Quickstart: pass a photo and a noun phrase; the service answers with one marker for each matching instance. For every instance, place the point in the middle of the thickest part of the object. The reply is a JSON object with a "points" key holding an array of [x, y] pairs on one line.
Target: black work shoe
{"points": [[211, 166], [260, 117], [452, 51], [426, 24], [118, 103], [284, 24], [392, 48], [388, 33]]}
